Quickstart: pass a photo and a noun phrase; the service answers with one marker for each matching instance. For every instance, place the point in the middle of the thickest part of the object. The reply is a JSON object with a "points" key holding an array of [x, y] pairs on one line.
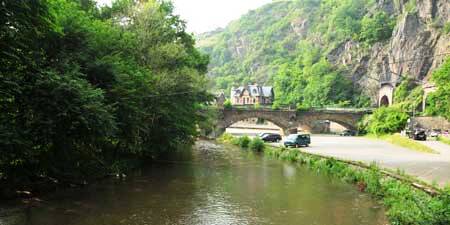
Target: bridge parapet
{"points": [[288, 119]]}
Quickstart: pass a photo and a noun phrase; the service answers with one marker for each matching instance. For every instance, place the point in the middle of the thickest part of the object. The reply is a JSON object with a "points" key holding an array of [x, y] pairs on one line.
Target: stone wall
{"points": [[431, 123]]}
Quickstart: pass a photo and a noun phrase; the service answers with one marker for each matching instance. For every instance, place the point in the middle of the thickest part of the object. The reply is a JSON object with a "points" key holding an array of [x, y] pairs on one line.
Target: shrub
{"points": [[244, 141], [257, 106], [386, 120], [257, 144], [227, 104], [276, 106], [302, 108], [447, 28], [226, 138]]}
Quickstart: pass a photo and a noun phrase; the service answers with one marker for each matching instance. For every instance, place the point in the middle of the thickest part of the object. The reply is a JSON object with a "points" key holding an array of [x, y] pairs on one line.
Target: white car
{"points": [[434, 133]]}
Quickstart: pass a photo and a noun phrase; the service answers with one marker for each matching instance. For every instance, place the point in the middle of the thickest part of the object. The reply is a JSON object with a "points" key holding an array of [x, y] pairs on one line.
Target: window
{"points": [[254, 100]]}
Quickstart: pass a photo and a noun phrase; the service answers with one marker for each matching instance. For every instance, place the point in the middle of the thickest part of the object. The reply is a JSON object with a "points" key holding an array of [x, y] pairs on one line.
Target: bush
{"points": [[257, 144], [302, 108], [386, 120], [227, 104], [244, 141], [276, 106], [226, 138], [447, 28]]}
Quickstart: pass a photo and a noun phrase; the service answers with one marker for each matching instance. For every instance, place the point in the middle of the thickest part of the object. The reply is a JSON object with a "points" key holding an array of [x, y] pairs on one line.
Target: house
{"points": [[251, 95]]}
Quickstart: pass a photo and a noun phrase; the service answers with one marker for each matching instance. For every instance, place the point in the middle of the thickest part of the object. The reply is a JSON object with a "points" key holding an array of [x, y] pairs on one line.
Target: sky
{"points": [[207, 15]]}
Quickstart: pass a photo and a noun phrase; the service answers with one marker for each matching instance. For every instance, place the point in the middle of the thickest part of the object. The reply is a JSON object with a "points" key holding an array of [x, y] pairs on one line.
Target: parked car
{"points": [[271, 138], [418, 135], [348, 133], [297, 140], [261, 135], [434, 133]]}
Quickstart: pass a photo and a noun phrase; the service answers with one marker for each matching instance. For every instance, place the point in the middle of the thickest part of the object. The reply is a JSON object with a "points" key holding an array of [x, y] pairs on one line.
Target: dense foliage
{"points": [[376, 28], [292, 45], [84, 90], [408, 96], [244, 141], [438, 103], [257, 144], [385, 120]]}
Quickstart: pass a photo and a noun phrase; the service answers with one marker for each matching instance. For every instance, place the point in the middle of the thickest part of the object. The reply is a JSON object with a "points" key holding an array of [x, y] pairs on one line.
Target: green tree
{"points": [[376, 28], [438, 103], [386, 120], [86, 91]]}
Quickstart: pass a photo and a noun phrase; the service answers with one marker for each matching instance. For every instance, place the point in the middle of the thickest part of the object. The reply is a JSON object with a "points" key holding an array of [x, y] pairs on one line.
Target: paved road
{"points": [[426, 166]]}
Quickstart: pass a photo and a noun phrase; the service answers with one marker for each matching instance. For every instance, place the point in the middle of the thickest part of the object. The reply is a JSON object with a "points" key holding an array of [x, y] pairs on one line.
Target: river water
{"points": [[210, 185]]}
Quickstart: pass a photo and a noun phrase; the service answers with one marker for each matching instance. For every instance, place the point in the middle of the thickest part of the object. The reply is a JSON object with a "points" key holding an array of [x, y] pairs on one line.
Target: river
{"points": [[210, 185]]}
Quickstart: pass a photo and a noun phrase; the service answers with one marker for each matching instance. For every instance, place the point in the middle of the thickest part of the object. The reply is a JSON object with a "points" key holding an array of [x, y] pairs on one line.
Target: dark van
{"points": [[297, 140]]}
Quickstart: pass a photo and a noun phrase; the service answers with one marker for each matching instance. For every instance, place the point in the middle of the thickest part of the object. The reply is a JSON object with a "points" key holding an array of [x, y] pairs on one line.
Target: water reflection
{"points": [[214, 185]]}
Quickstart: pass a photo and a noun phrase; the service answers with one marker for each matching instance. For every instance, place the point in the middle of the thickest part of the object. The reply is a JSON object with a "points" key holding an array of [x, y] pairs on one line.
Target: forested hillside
{"points": [[330, 52], [87, 91]]}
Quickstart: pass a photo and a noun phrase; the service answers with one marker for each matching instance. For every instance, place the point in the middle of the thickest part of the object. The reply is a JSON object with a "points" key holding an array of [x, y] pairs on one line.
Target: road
{"points": [[426, 166]]}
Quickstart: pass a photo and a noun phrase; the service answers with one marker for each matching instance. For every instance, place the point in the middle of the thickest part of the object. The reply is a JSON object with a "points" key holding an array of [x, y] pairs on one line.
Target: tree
{"points": [[386, 120], [87, 91], [438, 103], [376, 28]]}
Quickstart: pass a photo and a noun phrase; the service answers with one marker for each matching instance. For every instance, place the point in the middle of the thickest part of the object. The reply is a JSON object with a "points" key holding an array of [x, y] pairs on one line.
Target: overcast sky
{"points": [[207, 15]]}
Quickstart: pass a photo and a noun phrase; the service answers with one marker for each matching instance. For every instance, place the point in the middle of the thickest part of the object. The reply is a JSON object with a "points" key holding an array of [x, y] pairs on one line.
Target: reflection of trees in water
{"points": [[237, 187]]}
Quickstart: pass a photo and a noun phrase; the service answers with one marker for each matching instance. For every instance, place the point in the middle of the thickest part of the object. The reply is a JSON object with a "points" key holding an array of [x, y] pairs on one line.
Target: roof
{"points": [[254, 90]]}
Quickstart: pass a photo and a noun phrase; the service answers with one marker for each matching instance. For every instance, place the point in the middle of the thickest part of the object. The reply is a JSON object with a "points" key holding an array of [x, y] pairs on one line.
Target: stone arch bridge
{"points": [[289, 120]]}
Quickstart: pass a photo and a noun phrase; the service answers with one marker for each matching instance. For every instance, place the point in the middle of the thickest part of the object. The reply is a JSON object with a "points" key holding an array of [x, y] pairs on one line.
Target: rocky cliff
{"points": [[255, 47], [418, 45]]}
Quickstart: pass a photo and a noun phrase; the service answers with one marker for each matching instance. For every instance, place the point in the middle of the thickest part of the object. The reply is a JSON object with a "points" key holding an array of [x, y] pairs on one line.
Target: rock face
{"points": [[418, 45]]}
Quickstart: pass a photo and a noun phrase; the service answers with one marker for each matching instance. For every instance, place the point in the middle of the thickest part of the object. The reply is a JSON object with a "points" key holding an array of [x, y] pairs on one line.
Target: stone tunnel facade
{"points": [[289, 120]]}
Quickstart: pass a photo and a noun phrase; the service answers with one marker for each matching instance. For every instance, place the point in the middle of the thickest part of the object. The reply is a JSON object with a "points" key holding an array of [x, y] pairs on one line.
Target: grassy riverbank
{"points": [[397, 139], [405, 204]]}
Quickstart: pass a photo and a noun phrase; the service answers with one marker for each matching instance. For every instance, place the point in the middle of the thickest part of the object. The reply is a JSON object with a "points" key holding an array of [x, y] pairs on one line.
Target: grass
{"points": [[397, 139], [443, 140], [405, 204]]}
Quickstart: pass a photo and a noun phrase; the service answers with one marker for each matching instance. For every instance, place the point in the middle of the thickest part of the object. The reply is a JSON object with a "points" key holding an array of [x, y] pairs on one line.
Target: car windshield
{"points": [[292, 137]]}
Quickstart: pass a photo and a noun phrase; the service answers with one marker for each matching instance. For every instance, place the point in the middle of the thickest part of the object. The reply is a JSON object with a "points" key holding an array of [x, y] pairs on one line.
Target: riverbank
{"points": [[406, 204]]}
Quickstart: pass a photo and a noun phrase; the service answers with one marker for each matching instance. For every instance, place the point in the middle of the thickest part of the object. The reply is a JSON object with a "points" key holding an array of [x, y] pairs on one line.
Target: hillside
{"points": [[330, 52]]}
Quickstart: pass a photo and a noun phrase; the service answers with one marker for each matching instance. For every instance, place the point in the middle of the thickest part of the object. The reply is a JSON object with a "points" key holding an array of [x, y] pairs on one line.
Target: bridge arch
{"points": [[347, 122], [233, 116]]}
